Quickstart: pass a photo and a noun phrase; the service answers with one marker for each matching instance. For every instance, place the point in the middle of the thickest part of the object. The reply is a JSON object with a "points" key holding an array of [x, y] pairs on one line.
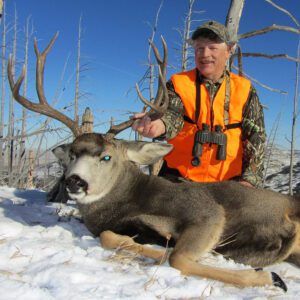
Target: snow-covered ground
{"points": [[277, 177], [47, 253]]}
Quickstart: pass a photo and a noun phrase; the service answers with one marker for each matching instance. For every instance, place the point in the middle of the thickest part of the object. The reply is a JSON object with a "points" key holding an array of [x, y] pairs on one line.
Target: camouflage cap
{"points": [[219, 29]]}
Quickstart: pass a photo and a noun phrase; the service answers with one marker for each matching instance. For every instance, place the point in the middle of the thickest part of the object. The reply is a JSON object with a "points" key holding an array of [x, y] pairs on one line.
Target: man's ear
{"points": [[146, 153], [62, 154]]}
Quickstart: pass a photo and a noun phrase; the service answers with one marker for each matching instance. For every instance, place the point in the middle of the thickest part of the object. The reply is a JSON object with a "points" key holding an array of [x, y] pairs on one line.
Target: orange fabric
{"points": [[210, 168]]}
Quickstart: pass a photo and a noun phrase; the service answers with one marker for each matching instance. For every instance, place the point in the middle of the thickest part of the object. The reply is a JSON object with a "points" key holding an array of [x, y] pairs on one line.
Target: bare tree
{"points": [[296, 96], [3, 82], [149, 75], [294, 121], [21, 158], [186, 36], [76, 115], [184, 49], [151, 65], [233, 19], [232, 23], [11, 116]]}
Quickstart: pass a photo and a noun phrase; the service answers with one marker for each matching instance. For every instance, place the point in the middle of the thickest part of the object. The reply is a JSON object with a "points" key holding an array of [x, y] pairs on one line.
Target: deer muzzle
{"points": [[75, 185]]}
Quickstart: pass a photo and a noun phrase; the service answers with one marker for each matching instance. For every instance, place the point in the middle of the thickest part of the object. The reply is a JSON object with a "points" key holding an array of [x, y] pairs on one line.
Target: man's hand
{"points": [[146, 127]]}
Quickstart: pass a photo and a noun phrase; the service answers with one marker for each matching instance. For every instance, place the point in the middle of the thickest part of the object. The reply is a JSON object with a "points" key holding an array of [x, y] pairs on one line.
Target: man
{"points": [[214, 120]]}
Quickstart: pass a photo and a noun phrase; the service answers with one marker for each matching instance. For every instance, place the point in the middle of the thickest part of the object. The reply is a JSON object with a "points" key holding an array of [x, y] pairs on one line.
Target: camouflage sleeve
{"points": [[173, 118], [253, 139]]}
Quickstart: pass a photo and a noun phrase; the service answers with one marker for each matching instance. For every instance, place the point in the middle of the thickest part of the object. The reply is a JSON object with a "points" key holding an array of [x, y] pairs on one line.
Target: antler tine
{"points": [[162, 71], [115, 129], [40, 67], [42, 107], [162, 63], [15, 87], [156, 104], [156, 52], [162, 91], [144, 100], [164, 94]]}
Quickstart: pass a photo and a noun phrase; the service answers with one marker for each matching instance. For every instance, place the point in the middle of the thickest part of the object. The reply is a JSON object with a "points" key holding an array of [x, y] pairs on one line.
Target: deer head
{"points": [[97, 165]]}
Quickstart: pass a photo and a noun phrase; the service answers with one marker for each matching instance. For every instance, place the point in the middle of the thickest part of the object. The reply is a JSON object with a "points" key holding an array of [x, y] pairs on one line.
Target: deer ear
{"points": [[145, 153], [62, 153]]}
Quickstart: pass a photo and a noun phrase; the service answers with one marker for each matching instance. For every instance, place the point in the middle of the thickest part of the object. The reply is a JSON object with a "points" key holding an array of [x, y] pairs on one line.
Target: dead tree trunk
{"points": [[76, 100], [10, 131], [3, 61], [24, 111], [30, 183], [296, 97], [186, 36], [294, 121], [233, 19], [87, 121], [232, 23], [151, 65]]}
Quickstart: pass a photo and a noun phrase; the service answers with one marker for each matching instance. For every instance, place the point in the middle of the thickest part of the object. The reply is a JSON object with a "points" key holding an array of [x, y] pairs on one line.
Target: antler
{"points": [[160, 104], [42, 107]]}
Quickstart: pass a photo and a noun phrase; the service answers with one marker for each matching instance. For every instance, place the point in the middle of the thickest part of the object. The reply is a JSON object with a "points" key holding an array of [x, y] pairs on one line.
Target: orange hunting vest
{"points": [[210, 168]]}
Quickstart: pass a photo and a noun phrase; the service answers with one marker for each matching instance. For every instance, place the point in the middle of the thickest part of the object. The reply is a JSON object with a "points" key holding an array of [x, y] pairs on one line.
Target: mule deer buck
{"points": [[260, 227]]}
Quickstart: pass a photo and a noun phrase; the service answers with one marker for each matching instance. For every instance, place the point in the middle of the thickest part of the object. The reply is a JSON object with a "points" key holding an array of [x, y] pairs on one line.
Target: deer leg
{"points": [[111, 240], [198, 239]]}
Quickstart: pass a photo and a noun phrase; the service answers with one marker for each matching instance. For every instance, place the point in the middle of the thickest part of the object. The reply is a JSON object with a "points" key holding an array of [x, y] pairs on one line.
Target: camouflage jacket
{"points": [[253, 129]]}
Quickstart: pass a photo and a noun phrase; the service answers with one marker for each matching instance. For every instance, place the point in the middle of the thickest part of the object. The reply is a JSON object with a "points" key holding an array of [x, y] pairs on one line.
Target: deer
{"points": [[122, 205]]}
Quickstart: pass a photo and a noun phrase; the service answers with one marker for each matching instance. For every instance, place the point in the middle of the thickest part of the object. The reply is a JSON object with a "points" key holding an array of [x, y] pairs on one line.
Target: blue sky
{"points": [[115, 43]]}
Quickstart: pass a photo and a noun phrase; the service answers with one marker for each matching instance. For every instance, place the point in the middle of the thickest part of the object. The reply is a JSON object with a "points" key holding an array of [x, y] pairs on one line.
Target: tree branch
{"points": [[271, 56], [284, 10], [262, 84], [268, 29], [37, 132]]}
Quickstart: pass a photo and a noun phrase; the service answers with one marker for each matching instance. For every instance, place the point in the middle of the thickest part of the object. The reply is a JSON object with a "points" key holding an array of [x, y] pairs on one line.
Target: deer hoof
{"points": [[277, 281], [258, 269]]}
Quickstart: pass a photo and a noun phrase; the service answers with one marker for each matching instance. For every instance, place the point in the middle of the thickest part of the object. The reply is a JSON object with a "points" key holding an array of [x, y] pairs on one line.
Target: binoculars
{"points": [[205, 136]]}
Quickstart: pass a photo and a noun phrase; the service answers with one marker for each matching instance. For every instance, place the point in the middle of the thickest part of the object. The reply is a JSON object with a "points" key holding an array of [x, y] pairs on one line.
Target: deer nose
{"points": [[75, 184]]}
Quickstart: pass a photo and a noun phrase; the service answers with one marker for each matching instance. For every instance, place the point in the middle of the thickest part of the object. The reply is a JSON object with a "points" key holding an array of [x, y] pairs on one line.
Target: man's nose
{"points": [[205, 52]]}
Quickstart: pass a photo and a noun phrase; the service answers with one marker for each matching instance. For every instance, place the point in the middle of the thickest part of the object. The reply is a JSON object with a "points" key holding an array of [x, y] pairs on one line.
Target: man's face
{"points": [[211, 57]]}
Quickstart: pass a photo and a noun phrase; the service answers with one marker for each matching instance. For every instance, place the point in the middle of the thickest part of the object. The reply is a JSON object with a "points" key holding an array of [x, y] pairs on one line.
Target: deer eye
{"points": [[106, 158]]}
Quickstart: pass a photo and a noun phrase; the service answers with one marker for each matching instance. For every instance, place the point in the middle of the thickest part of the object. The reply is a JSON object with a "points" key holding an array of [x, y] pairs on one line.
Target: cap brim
{"points": [[198, 32]]}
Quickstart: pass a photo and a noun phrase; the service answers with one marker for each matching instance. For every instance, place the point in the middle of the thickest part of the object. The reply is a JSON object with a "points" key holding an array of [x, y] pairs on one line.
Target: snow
{"points": [[46, 252]]}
